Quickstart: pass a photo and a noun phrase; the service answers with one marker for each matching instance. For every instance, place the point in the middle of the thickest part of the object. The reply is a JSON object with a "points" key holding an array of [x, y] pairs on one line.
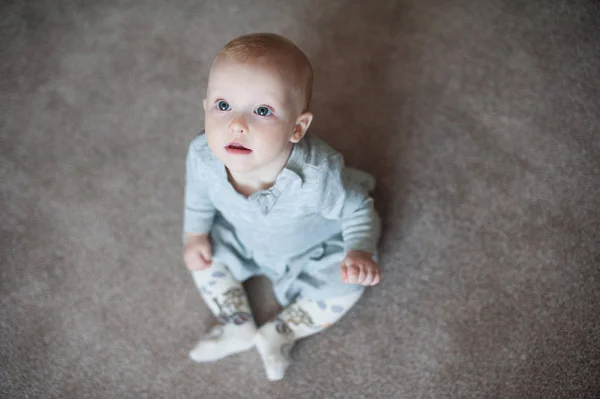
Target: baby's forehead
{"points": [[255, 71], [224, 72]]}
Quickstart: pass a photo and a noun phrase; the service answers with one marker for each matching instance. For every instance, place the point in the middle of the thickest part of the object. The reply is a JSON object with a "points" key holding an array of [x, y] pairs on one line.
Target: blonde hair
{"points": [[278, 51]]}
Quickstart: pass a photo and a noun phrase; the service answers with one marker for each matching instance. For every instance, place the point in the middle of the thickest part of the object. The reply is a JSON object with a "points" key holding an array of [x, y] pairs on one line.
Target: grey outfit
{"points": [[297, 232]]}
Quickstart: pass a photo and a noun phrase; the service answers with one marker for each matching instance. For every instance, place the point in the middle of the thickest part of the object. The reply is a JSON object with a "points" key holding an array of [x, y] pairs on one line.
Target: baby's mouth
{"points": [[237, 148]]}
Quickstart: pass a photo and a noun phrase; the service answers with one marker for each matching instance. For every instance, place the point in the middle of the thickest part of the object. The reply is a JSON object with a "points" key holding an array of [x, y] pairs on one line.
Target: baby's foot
{"points": [[222, 341], [275, 351]]}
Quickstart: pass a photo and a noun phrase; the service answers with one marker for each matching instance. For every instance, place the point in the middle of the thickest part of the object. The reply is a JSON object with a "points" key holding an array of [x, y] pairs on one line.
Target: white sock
{"points": [[227, 300], [274, 349], [222, 341], [275, 340]]}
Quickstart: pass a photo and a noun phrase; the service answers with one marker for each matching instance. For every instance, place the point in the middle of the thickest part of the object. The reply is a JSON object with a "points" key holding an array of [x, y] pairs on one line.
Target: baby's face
{"points": [[250, 117]]}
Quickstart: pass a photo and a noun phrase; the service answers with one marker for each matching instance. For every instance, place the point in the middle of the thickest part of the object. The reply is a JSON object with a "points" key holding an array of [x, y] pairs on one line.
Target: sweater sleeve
{"points": [[199, 211], [344, 196]]}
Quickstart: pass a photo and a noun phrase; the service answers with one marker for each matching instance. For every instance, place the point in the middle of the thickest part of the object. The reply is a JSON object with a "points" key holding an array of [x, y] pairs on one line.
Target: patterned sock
{"points": [[274, 349], [275, 340], [226, 298], [222, 341]]}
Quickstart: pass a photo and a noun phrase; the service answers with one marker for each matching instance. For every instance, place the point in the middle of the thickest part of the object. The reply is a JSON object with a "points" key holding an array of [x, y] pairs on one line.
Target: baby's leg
{"points": [[276, 338], [227, 299]]}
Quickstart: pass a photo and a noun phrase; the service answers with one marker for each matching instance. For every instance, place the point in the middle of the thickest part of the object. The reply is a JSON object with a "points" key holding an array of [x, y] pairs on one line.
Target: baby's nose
{"points": [[238, 125]]}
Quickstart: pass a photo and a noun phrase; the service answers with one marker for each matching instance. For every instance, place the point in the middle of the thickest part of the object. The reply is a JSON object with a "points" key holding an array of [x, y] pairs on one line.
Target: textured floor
{"points": [[480, 120]]}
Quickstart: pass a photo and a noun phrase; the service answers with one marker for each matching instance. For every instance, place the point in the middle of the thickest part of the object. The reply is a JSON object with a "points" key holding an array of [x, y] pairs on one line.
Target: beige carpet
{"points": [[480, 120]]}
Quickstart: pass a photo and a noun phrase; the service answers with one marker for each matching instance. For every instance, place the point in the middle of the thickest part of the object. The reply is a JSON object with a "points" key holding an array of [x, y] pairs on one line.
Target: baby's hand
{"points": [[197, 253], [358, 267]]}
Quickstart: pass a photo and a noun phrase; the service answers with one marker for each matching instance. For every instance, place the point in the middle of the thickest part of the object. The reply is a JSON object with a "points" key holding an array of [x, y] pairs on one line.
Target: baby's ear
{"points": [[302, 124]]}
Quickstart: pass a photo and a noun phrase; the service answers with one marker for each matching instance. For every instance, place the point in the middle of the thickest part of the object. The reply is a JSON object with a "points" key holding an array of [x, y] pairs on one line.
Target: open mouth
{"points": [[237, 148]]}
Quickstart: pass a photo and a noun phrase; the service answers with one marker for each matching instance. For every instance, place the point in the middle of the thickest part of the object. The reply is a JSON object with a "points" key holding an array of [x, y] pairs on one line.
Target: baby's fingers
{"points": [[362, 274], [206, 255], [370, 276], [377, 277], [195, 261], [352, 274], [344, 273]]}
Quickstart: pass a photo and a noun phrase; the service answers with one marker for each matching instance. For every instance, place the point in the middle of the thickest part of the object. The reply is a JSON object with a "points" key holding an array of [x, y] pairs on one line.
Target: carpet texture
{"points": [[480, 120]]}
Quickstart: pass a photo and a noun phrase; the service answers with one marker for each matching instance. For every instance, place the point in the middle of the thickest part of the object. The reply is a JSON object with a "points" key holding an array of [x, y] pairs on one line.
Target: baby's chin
{"points": [[232, 167], [237, 165]]}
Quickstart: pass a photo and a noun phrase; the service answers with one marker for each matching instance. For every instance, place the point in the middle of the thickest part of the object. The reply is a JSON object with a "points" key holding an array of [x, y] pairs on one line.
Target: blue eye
{"points": [[263, 111], [223, 105]]}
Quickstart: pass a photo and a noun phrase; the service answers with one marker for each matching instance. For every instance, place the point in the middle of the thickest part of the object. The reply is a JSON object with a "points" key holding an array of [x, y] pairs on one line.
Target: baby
{"points": [[264, 198]]}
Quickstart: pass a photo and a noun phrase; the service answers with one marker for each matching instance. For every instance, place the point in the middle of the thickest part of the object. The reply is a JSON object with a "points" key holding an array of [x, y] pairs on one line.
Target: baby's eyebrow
{"points": [[269, 98], [272, 94]]}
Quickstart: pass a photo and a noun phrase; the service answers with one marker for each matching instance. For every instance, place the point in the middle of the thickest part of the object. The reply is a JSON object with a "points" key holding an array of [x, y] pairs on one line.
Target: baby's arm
{"points": [[199, 213], [346, 200]]}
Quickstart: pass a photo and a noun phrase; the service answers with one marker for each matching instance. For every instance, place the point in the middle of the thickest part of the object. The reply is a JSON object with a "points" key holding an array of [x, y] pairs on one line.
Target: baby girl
{"points": [[263, 197]]}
